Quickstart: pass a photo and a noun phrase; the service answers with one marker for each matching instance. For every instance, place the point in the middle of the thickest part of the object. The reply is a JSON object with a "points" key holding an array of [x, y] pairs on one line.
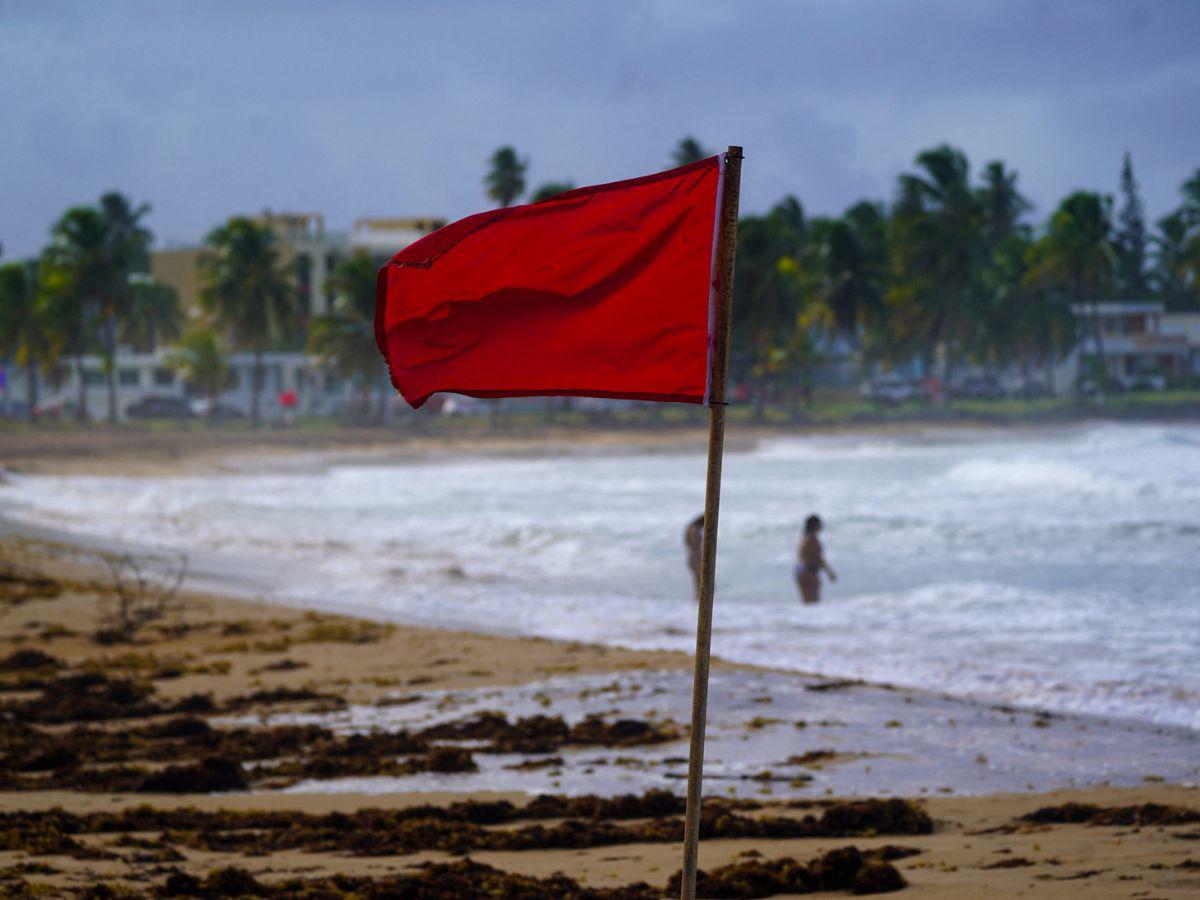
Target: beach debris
{"points": [[143, 590], [93, 696], [27, 659], [279, 695], [283, 665], [430, 881], [838, 685], [1089, 814], [213, 774], [18, 587], [546, 734], [1015, 862], [843, 869], [579, 822]]}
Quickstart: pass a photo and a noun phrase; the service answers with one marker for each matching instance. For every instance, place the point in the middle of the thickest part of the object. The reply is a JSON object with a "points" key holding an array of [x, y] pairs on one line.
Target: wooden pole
{"points": [[726, 248]]}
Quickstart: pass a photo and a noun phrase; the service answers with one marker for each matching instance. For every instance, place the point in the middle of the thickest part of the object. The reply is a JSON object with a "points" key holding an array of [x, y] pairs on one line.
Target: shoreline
{"points": [[266, 665], [101, 449]]}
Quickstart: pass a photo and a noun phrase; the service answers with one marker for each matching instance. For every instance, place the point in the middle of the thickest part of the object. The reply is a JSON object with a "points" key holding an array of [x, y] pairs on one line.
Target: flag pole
{"points": [[726, 248]]}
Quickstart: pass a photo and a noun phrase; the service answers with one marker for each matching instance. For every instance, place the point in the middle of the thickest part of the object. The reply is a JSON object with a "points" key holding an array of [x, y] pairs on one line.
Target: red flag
{"points": [[603, 291]]}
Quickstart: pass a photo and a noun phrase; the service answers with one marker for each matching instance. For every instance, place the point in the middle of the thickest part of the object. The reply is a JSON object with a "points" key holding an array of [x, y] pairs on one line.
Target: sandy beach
{"points": [[238, 747]]}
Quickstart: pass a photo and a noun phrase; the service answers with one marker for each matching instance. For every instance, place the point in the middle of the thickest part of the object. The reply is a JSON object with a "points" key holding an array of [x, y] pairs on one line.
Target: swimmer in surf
{"points": [[812, 561]]}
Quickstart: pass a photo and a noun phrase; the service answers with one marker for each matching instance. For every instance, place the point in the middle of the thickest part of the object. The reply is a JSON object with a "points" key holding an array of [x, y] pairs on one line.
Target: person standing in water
{"points": [[693, 539], [812, 561]]}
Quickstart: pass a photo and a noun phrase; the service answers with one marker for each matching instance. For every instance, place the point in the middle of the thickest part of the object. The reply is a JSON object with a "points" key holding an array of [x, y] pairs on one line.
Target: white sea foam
{"points": [[1053, 568]]}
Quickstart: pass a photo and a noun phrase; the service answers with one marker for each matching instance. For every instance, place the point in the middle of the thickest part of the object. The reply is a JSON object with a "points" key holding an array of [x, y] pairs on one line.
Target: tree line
{"points": [[90, 289], [951, 271]]}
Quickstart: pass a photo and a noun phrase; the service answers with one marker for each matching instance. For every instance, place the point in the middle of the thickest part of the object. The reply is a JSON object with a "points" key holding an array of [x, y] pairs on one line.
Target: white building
{"points": [[149, 375], [1187, 325], [1140, 343]]}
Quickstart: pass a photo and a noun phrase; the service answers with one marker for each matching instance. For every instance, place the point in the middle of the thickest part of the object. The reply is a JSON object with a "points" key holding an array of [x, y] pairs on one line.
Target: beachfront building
{"points": [[1141, 347], [1187, 325], [306, 248], [143, 376]]}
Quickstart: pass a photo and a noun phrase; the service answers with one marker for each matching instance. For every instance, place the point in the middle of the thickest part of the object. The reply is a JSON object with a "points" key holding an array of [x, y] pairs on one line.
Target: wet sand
{"points": [[260, 666]]}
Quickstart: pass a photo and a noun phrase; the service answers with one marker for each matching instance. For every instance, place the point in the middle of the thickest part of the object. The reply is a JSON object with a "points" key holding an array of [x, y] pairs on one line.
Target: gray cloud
{"points": [[363, 108]]}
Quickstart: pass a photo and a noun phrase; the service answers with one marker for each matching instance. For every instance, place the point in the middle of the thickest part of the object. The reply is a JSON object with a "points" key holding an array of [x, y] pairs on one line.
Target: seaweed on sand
{"points": [[17, 587], [431, 881], [546, 734], [93, 697], [1089, 814], [28, 658], [459, 827], [437, 833], [842, 869]]}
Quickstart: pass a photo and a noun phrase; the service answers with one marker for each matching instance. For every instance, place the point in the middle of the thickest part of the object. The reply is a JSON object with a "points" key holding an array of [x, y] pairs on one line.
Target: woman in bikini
{"points": [[812, 561]]}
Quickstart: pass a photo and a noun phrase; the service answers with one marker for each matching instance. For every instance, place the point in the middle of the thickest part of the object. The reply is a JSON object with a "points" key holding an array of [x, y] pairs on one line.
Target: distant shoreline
{"points": [[185, 448]]}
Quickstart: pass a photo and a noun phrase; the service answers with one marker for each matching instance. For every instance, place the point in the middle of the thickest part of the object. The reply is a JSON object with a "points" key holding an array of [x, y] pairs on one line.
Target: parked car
{"points": [[1145, 382], [891, 389], [977, 387], [215, 411], [1031, 391], [160, 408]]}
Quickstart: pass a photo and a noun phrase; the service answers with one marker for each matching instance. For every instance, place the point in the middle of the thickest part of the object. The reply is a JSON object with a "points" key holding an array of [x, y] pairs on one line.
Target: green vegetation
{"points": [[247, 292], [949, 272], [505, 179], [344, 339], [89, 288]]}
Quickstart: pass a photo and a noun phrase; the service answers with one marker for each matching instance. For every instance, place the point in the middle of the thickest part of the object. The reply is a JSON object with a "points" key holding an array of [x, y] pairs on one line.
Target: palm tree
{"points": [[78, 280], [935, 244], [767, 298], [844, 278], [550, 189], [506, 179], [247, 292], [1176, 271], [1076, 256], [154, 316], [1002, 204], [1190, 210], [202, 362], [344, 339], [126, 251], [22, 326], [791, 213], [689, 150]]}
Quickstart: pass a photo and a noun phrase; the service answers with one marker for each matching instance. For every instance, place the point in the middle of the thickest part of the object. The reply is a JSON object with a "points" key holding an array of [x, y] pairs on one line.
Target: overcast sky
{"points": [[206, 109]]}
